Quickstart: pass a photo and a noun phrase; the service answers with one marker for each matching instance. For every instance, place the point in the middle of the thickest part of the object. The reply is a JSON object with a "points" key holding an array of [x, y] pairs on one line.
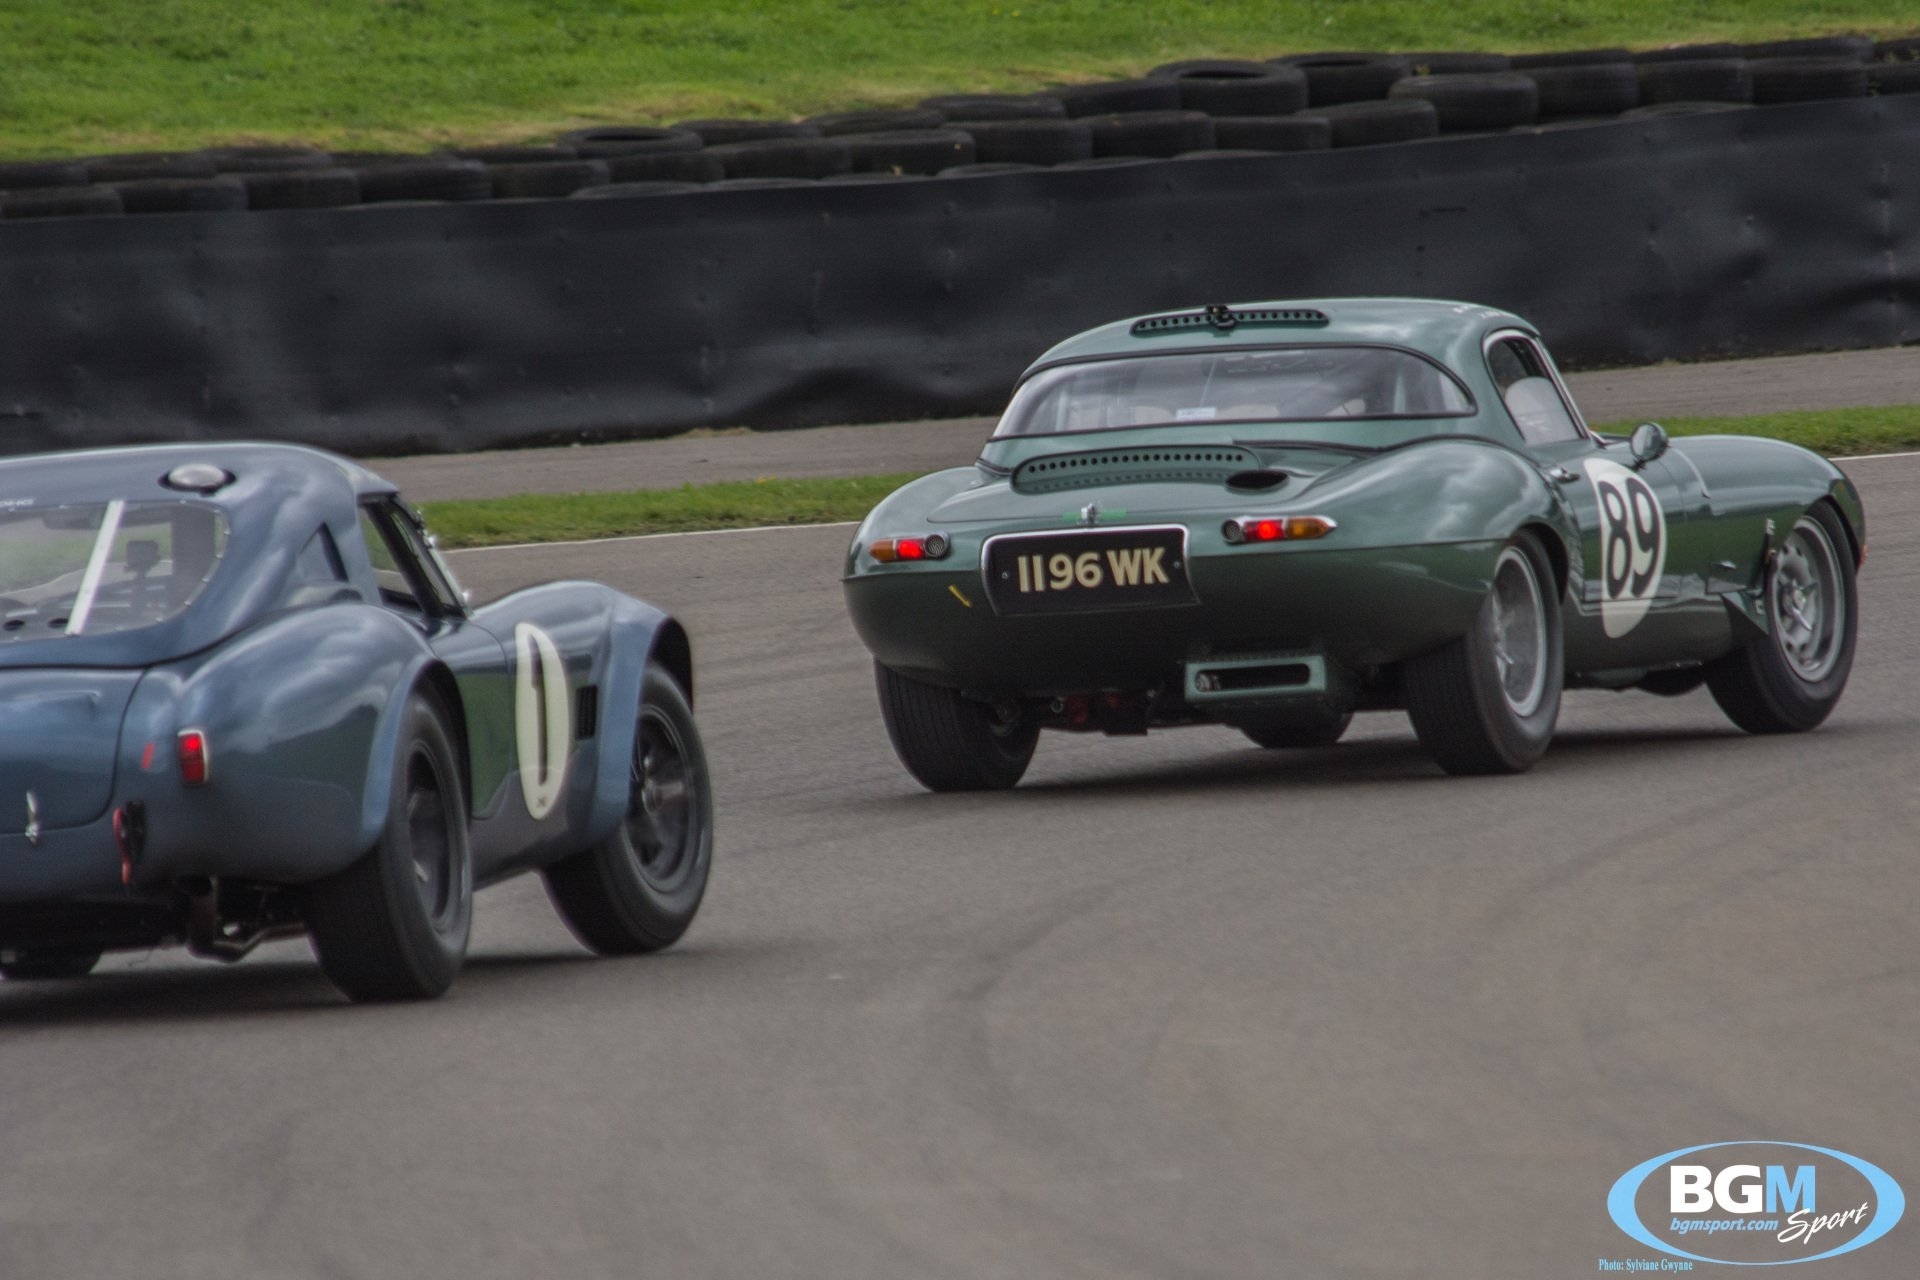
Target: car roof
{"points": [[82, 475], [1448, 331]]}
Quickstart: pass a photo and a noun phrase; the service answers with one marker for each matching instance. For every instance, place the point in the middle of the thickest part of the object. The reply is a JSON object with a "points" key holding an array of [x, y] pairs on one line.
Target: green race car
{"points": [[1274, 515]]}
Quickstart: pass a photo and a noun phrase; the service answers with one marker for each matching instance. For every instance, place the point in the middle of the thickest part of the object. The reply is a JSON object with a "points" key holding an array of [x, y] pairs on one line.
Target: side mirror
{"points": [[1648, 441]]}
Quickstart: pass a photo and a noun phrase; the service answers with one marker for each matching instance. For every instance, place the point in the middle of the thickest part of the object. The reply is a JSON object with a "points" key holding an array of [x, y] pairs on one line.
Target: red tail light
{"points": [[932, 547], [1276, 528], [195, 758]]}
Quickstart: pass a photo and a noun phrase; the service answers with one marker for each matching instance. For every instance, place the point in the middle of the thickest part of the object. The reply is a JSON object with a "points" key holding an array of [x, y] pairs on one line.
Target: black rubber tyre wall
{"points": [[998, 106], [1755, 686], [267, 159], [1227, 88], [22, 174], [1808, 79], [1495, 100], [367, 924], [662, 166], [547, 178], [604, 894], [1113, 96], [1151, 133], [1273, 133], [909, 120], [1028, 141], [908, 151], [1569, 58], [606, 141], [947, 741], [1457, 63], [182, 195], [1336, 78], [449, 179], [784, 158], [1455, 703], [723, 132], [1705, 80], [1600, 88], [1859, 48], [1365, 124], [302, 189]]}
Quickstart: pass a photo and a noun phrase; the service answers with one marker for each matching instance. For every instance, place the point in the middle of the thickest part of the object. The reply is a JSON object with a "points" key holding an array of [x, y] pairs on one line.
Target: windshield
{"points": [[103, 567], [1294, 384]]}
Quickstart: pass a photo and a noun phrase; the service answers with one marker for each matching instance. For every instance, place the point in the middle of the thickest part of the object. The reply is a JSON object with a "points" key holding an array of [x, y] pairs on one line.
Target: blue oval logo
{"points": [[1756, 1204]]}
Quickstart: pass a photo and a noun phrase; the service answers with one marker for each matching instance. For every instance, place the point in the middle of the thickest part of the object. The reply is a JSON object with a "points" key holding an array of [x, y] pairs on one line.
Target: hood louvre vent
{"points": [[1202, 464]]}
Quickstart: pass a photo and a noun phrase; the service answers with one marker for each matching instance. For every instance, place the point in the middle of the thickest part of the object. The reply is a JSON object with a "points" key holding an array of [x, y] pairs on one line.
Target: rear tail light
{"points": [[932, 546], [1276, 528], [195, 757]]}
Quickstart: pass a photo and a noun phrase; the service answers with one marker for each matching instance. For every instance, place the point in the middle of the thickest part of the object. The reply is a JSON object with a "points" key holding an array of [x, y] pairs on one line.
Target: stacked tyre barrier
{"points": [[640, 279], [1299, 102]]}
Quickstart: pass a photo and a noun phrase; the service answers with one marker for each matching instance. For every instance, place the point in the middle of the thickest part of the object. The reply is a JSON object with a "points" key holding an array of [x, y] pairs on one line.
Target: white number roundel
{"points": [[542, 717], [1633, 544]]}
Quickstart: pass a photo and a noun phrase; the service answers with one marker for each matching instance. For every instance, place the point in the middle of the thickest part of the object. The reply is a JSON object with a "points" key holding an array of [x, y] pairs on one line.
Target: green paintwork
{"points": [[1422, 508]]}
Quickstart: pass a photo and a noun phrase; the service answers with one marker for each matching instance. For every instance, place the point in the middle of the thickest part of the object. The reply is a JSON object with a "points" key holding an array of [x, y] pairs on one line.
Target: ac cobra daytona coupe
{"points": [[243, 697], [1271, 516]]}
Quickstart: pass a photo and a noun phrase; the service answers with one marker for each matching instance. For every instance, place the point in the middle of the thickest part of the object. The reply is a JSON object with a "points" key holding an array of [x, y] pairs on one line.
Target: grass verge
{"points": [[492, 522], [408, 74]]}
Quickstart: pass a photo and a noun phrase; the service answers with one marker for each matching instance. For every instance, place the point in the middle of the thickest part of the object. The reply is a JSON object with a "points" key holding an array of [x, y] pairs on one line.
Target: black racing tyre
{"points": [[1688, 53], [1335, 78], [1273, 133], [1110, 97], [449, 179], [895, 121], [1487, 702], [606, 141], [302, 189], [22, 174], [394, 925], [1494, 100], [1294, 732], [60, 202], [638, 889], [784, 158], [527, 154], [48, 965], [997, 106], [1222, 87], [182, 195], [1858, 48], [267, 159], [1028, 141], [950, 742], [988, 169], [1569, 58], [1665, 110], [908, 150], [1365, 124], [661, 166], [1790, 680], [140, 166], [1704, 80], [546, 178], [1894, 77], [719, 133], [630, 190], [1457, 63], [1808, 79], [1586, 89], [1151, 133]]}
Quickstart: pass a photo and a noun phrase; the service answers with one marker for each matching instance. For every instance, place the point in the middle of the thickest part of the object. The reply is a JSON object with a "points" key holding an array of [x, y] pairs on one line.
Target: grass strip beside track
{"points": [[411, 74], [492, 522]]}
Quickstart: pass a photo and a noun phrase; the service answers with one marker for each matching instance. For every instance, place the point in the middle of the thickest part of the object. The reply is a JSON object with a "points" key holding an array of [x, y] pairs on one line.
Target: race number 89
{"points": [[1630, 516]]}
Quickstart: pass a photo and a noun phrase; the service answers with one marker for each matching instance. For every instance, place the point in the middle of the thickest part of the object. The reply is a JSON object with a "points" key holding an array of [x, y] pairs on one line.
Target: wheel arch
{"points": [[1555, 545], [673, 650], [437, 680]]}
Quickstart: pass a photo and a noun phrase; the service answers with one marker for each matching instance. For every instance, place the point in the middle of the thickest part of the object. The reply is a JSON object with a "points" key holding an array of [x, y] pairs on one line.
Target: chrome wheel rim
{"points": [[663, 801], [1809, 616], [431, 843], [1519, 632]]}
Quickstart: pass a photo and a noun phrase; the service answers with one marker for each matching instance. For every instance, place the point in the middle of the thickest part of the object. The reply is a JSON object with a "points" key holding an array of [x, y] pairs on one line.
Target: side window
{"points": [[319, 560], [395, 587], [411, 576], [1528, 389]]}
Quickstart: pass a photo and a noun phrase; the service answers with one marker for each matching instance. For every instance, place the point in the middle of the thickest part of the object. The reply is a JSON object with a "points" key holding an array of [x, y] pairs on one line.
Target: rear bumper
{"points": [[1359, 608], [66, 863]]}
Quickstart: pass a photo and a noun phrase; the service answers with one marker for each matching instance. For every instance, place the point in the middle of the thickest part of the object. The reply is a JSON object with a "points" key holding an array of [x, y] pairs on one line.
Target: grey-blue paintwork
{"points": [[300, 692]]}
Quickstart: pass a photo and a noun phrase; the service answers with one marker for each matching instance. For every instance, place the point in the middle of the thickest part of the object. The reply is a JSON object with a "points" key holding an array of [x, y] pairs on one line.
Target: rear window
{"points": [[105, 567], [1294, 384]]}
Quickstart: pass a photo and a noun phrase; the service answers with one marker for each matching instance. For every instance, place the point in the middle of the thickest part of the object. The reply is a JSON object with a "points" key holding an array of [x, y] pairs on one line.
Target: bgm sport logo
{"points": [[1754, 1204]]}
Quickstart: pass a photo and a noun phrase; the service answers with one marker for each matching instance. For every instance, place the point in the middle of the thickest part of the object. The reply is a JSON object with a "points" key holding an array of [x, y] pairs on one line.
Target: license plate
{"points": [[1087, 570]]}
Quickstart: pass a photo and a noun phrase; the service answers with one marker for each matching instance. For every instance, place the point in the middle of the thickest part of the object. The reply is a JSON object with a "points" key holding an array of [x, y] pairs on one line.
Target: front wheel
{"points": [[638, 889], [1487, 702], [1791, 679], [951, 742], [394, 925]]}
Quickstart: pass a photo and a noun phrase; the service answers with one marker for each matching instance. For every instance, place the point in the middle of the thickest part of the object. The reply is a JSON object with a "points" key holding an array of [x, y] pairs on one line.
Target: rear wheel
{"points": [[1791, 679], [1487, 702], [47, 966], [950, 742], [638, 889], [394, 925]]}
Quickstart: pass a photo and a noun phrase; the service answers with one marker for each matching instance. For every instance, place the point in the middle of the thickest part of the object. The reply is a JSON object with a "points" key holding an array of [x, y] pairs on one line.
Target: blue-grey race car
{"points": [[244, 698]]}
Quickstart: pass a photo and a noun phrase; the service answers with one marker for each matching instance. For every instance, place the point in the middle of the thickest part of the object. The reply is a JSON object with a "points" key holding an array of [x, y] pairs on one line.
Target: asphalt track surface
{"points": [[1838, 380], [1177, 1007]]}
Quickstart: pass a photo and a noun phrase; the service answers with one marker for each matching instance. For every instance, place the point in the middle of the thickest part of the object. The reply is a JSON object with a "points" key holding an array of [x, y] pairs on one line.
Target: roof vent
{"points": [[197, 477], [1224, 319]]}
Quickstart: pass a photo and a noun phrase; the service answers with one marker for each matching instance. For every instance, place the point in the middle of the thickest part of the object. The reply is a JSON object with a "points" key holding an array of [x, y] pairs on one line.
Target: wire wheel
{"points": [[1806, 601], [1519, 632]]}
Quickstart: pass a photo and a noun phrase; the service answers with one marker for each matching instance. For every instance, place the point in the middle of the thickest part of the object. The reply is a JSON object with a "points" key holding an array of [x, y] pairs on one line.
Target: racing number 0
{"points": [[542, 718]]}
